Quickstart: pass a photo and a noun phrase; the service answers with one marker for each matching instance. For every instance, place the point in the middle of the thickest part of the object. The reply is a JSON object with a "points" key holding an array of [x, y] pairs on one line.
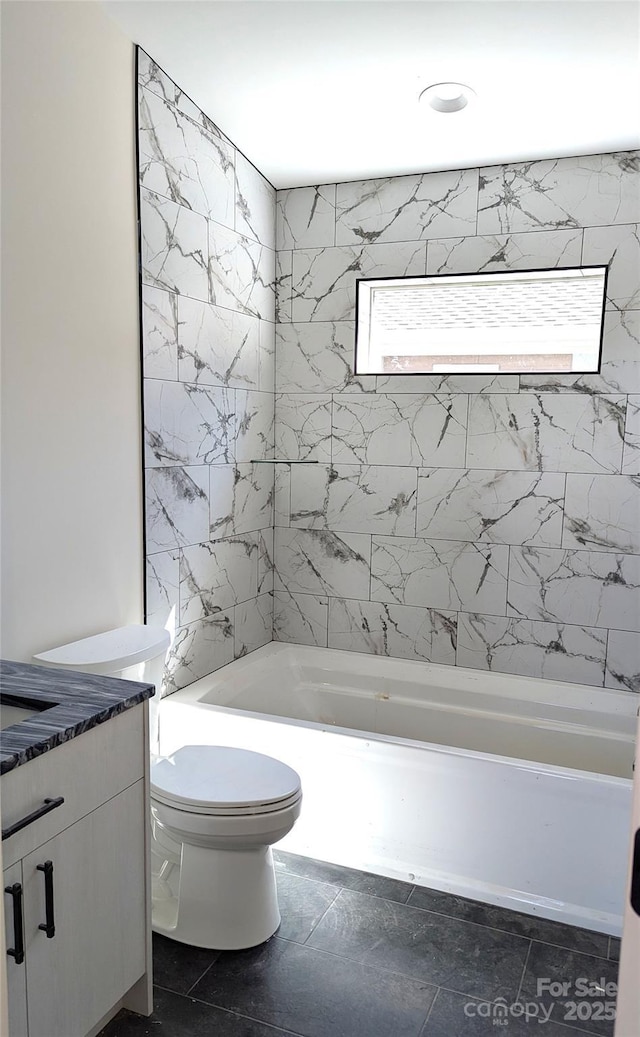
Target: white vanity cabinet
{"points": [[83, 871]]}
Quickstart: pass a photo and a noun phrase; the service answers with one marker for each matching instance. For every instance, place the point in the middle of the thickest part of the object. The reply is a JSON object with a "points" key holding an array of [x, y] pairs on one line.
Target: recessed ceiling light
{"points": [[447, 97]]}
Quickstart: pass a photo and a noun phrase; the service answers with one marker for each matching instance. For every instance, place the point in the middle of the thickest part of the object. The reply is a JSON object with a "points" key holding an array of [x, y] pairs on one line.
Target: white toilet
{"points": [[215, 811]]}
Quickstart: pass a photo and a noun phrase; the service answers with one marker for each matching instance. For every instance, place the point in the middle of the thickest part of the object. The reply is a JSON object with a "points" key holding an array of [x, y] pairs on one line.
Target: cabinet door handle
{"points": [[48, 926], [49, 804], [16, 952]]}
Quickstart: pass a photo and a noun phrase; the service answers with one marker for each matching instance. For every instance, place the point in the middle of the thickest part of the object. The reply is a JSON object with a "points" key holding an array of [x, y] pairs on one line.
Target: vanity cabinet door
{"points": [[89, 883], [16, 969]]}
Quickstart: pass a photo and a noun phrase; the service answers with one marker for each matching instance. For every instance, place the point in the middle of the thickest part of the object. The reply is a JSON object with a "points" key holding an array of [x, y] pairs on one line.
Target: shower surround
{"points": [[485, 521]]}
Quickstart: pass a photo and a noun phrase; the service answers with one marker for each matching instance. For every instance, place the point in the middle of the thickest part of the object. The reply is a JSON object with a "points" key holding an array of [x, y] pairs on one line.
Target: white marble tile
{"points": [[446, 383], [174, 246], [306, 217], [151, 77], [591, 588], [620, 367], [183, 161], [199, 649], [442, 574], [357, 498], [253, 624], [254, 425], [241, 499], [303, 426], [267, 357], [568, 432], [177, 507], [215, 576], [602, 512], [407, 208], [401, 631], [491, 506], [255, 204], [590, 190], [187, 424], [554, 651], [319, 561], [163, 580], [282, 495], [159, 333], [318, 357], [300, 618], [283, 275], [492, 252], [408, 429], [265, 560], [324, 279], [241, 273], [217, 346], [618, 246], [623, 661], [631, 452]]}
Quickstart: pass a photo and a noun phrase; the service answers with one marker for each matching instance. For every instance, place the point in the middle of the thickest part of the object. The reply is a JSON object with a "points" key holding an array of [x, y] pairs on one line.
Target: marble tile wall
{"points": [[207, 220], [488, 521]]}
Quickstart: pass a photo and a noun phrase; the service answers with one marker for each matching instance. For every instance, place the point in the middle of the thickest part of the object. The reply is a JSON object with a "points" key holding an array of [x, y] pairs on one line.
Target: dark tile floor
{"points": [[358, 955]]}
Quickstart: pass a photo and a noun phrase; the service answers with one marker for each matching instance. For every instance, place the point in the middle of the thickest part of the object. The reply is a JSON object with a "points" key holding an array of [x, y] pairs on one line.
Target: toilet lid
{"points": [[216, 778]]}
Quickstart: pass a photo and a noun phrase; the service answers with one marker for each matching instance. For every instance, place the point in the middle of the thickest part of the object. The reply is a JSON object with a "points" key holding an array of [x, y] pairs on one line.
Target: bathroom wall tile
{"points": [[401, 430], [318, 357], [215, 576], [623, 661], [319, 561], [159, 333], [174, 246], [554, 651], [183, 161], [496, 506], [590, 190], [217, 346], [324, 279], [591, 588], [255, 203], [241, 499], [177, 507], [254, 425], [442, 574], [163, 580], [253, 624], [267, 357], [199, 649], [603, 513], [631, 452], [401, 631], [306, 217], [283, 275], [300, 618], [446, 383], [151, 77], [265, 560], [492, 252], [241, 273], [187, 423], [282, 495], [620, 365], [365, 499], [618, 246], [543, 431], [407, 208], [303, 426]]}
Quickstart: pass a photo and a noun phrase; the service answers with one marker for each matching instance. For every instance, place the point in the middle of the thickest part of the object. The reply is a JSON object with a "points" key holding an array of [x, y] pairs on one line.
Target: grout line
{"points": [[524, 969]]}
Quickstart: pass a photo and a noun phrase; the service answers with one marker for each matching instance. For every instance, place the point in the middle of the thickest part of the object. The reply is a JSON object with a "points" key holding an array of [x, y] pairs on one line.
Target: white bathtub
{"points": [[510, 790]]}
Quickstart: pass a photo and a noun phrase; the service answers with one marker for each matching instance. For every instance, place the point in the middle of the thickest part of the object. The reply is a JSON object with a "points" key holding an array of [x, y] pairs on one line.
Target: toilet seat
{"points": [[222, 781]]}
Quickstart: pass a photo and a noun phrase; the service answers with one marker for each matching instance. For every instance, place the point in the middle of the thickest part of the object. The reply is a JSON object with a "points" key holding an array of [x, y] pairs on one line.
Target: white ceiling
{"points": [[316, 91]]}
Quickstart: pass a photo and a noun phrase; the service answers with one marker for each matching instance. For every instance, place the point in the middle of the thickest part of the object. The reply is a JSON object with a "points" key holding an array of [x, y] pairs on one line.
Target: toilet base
{"points": [[217, 899]]}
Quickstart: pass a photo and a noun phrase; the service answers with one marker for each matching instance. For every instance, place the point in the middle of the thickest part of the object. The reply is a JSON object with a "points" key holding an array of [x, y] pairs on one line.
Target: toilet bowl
{"points": [[215, 812]]}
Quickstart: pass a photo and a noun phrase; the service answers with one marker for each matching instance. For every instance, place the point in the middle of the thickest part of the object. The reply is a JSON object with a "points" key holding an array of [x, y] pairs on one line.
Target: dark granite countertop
{"points": [[73, 703]]}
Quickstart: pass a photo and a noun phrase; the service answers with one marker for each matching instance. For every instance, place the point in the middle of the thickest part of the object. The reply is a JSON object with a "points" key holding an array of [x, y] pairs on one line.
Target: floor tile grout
{"points": [[524, 970], [229, 1011]]}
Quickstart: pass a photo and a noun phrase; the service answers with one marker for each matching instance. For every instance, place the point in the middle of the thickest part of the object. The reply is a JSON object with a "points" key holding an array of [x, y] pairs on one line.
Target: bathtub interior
{"points": [[549, 722]]}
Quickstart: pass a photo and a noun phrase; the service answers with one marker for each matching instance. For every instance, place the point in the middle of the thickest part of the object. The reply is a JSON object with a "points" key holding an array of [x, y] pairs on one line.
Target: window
{"points": [[525, 322]]}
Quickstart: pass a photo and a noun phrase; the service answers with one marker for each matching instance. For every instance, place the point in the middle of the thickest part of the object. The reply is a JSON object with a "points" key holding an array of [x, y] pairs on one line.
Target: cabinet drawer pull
{"points": [[48, 926], [49, 804], [17, 951]]}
